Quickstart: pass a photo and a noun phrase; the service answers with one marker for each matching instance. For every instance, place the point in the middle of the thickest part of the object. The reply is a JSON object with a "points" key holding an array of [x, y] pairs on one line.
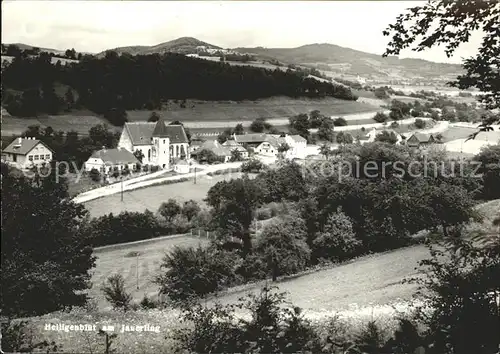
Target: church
{"points": [[161, 144]]}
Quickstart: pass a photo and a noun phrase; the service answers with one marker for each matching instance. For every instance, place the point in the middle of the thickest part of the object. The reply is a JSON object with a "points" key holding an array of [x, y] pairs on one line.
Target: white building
{"points": [[160, 143], [27, 153], [268, 144], [182, 166], [108, 160], [233, 145]]}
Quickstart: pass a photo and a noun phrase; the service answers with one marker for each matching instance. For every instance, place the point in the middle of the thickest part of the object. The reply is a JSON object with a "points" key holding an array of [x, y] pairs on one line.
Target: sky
{"points": [[94, 26]]}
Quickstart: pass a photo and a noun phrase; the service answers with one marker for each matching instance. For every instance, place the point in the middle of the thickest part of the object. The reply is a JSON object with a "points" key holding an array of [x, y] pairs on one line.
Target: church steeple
{"points": [[160, 130]]}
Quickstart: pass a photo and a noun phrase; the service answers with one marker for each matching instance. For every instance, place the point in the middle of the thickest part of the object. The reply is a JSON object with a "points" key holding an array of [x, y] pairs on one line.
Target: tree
{"points": [[234, 204], [299, 124], [154, 117], [429, 25], [42, 274], [283, 148], [387, 137], [169, 209], [259, 125], [236, 155], [338, 241], [95, 175], [207, 156], [139, 155], [419, 123], [225, 136], [325, 131], [381, 93], [238, 129], [114, 292], [188, 272], [70, 99], [344, 138], [326, 151], [190, 209], [283, 246], [380, 117]]}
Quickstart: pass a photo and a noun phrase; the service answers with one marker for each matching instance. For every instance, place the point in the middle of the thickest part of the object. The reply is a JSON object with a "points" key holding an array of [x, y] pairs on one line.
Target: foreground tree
{"points": [[451, 23], [46, 253]]}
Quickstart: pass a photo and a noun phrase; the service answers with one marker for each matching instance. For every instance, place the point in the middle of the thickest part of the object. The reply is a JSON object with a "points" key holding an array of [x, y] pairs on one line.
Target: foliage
{"points": [[284, 183], [234, 203], [272, 327], [381, 93], [124, 227], [225, 136], [154, 117], [340, 122], [49, 273], [114, 292], [17, 337], [325, 131], [95, 175], [252, 166], [461, 286], [452, 23], [207, 156], [259, 125], [282, 244], [188, 273], [489, 157], [420, 123], [169, 209], [344, 138], [190, 209], [300, 125], [236, 155], [337, 241], [380, 117], [387, 137], [238, 129]]}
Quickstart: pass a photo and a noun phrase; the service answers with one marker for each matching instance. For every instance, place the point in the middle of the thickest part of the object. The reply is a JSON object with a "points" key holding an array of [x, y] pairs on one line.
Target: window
{"points": [[30, 157], [163, 141], [47, 157], [42, 157], [36, 157]]}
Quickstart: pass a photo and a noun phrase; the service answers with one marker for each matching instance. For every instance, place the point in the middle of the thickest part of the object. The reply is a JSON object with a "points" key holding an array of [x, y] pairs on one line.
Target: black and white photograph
{"points": [[250, 177]]}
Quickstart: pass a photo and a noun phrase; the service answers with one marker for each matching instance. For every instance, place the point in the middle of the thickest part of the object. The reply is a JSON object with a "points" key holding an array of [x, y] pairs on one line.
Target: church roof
{"points": [[141, 132]]}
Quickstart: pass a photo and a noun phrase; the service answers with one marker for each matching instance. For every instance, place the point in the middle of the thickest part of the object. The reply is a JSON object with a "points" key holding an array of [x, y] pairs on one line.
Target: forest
{"points": [[116, 83]]}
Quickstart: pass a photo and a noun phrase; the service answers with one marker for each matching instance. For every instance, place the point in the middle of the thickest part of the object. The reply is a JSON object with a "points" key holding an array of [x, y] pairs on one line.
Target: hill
{"points": [[337, 59], [184, 45]]}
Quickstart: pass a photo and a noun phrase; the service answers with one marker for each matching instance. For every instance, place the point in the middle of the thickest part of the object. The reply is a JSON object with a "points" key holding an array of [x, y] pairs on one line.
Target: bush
{"points": [[95, 175], [394, 125], [420, 124], [190, 273], [380, 117], [114, 292], [146, 303], [264, 214], [180, 224], [340, 122], [338, 241], [283, 247], [252, 166]]}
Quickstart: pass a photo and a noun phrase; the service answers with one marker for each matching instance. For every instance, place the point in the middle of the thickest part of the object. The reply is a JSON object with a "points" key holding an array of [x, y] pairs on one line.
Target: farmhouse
{"points": [[160, 143], [27, 152], [420, 140], [268, 144], [221, 151], [233, 145], [107, 160]]}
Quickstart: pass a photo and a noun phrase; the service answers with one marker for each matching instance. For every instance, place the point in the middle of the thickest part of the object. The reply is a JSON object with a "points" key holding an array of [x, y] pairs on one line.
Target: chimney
{"points": [[19, 140], [104, 148]]}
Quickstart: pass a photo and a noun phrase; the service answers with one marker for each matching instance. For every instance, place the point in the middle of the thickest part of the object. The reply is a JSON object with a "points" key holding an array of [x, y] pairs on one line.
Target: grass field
{"points": [[80, 123], [138, 263], [152, 197]]}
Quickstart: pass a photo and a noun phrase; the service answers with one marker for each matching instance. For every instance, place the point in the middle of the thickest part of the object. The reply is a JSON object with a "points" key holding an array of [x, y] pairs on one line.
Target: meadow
{"points": [[151, 197]]}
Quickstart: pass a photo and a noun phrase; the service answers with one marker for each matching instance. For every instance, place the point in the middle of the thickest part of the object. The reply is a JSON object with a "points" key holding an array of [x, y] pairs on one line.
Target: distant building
{"points": [[108, 160], [233, 145], [268, 144], [160, 143], [182, 166], [221, 151], [420, 140], [27, 153]]}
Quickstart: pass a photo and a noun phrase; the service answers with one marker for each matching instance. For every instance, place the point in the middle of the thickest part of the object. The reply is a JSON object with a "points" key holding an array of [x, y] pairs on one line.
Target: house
{"points": [[182, 166], [27, 152], [420, 140], [160, 143], [107, 160], [233, 145], [268, 144], [221, 151]]}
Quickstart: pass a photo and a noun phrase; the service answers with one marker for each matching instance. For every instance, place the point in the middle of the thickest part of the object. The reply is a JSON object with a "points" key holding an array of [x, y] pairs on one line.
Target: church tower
{"points": [[161, 144]]}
